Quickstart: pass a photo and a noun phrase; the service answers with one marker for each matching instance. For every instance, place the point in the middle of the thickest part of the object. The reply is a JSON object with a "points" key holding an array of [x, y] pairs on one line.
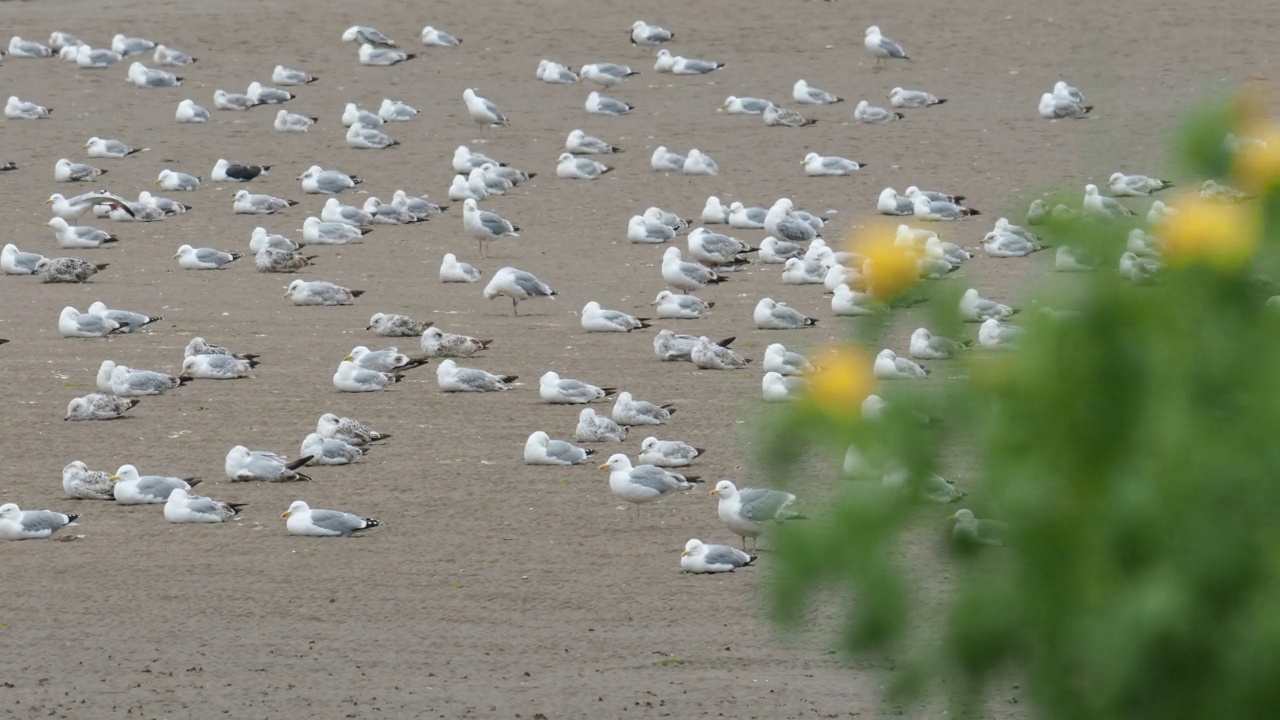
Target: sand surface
{"points": [[494, 589]]}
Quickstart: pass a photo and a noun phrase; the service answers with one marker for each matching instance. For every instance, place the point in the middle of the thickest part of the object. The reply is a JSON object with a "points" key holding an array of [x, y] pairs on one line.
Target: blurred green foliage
{"points": [[1126, 442]]}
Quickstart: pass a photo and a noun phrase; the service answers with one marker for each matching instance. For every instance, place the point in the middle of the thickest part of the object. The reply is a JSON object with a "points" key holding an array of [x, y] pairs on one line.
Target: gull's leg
{"points": [[513, 307]]}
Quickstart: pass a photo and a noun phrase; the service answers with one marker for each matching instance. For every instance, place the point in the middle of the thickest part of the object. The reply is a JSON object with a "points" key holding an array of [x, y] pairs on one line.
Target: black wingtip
{"points": [[300, 462], [357, 293]]}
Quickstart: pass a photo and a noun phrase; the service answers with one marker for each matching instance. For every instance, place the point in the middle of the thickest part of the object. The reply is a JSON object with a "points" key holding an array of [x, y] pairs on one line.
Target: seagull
{"points": [[483, 112], [555, 73], [73, 323], [698, 163], [1053, 107], [770, 314], [74, 207], [353, 113], [392, 325], [142, 76], [189, 112], [642, 483], [245, 465], [66, 171], [484, 225], [642, 33], [576, 168], [975, 308], [100, 148], [438, 38], [778, 116], [663, 160], [707, 355], [382, 57], [598, 428], [518, 285], [224, 171], [317, 180], [79, 482], [96, 58], [347, 429], [678, 65], [668, 453], [605, 74], [969, 530], [865, 112], [363, 137], [396, 111], [79, 236], [282, 75], [745, 511], [816, 165], [900, 98], [129, 487], [597, 319], [583, 144], [780, 360], [67, 270], [995, 334], [745, 105], [927, 346], [1101, 206], [670, 347], [190, 258], [454, 271], [888, 366], [367, 36], [1063, 90], [451, 378], [334, 211], [882, 48], [224, 100], [20, 48], [97, 406], [130, 45], [802, 92], [1135, 185], [302, 520], [598, 104], [247, 203], [169, 56], [629, 411], [268, 95], [567, 391], [699, 557], [437, 343], [540, 449], [686, 276], [177, 181], [775, 387], [182, 507], [19, 524], [330, 450], [16, 109]]}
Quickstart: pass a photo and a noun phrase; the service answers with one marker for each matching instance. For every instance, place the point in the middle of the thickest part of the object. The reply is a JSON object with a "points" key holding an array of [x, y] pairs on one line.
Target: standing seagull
{"points": [[518, 285], [482, 111], [484, 225], [882, 48]]}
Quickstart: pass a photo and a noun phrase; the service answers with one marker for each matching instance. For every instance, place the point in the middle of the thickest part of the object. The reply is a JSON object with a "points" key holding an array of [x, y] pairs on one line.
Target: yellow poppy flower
{"points": [[1222, 235]]}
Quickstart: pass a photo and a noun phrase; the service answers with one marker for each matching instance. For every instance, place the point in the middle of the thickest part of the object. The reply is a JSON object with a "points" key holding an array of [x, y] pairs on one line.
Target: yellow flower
{"points": [[1256, 166], [889, 269], [844, 381], [1221, 235]]}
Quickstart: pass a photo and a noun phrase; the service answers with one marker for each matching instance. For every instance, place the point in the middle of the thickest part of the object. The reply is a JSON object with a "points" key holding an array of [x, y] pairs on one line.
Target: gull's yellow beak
{"points": [[157, 182], [348, 358], [284, 514], [604, 466], [724, 105], [580, 79], [655, 302], [714, 491], [684, 554], [286, 294], [953, 517], [177, 255], [113, 478], [49, 201]]}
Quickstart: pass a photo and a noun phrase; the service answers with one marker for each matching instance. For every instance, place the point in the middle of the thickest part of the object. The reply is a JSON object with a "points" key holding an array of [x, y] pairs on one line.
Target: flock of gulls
{"points": [[793, 242]]}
